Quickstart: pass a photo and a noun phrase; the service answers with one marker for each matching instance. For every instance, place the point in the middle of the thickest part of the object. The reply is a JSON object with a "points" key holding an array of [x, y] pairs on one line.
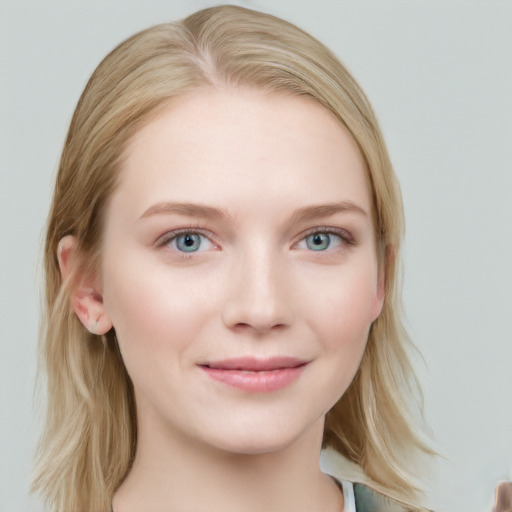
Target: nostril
{"points": [[256, 302], [261, 327]]}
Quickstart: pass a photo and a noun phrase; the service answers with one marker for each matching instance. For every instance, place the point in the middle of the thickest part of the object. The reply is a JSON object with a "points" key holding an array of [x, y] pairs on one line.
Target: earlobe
{"points": [[85, 293]]}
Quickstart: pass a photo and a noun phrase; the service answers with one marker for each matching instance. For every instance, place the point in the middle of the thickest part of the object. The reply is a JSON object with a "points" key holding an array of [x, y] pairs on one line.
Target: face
{"points": [[239, 268]]}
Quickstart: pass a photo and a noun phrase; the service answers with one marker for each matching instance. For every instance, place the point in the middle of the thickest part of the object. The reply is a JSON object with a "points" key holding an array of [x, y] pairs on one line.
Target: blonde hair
{"points": [[90, 436]]}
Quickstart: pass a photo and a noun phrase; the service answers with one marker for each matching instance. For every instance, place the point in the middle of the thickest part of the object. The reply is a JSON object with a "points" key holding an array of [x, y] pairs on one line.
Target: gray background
{"points": [[439, 75]]}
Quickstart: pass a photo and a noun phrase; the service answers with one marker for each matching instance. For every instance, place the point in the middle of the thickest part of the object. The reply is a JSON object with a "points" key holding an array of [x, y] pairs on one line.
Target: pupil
{"points": [[318, 239], [189, 241]]}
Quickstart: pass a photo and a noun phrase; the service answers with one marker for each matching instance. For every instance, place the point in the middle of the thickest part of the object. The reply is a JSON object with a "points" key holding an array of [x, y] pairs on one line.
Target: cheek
{"points": [[344, 307], [151, 314], [339, 316]]}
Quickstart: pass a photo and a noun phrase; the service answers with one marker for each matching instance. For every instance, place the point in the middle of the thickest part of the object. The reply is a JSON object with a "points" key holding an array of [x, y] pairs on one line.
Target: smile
{"points": [[256, 375]]}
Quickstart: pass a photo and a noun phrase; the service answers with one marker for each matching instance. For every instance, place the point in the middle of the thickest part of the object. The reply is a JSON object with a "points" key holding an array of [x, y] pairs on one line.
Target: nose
{"points": [[258, 299]]}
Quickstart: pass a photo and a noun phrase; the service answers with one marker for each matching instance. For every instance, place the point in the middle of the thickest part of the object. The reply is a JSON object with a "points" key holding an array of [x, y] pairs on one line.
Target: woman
{"points": [[221, 264]]}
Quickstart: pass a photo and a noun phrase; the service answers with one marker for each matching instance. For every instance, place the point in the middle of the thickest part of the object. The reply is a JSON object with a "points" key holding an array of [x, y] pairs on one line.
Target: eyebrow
{"points": [[304, 214], [187, 209], [309, 213]]}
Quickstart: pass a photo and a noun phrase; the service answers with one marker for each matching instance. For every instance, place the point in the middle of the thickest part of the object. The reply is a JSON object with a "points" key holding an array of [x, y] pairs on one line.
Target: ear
{"points": [[380, 292], [86, 294]]}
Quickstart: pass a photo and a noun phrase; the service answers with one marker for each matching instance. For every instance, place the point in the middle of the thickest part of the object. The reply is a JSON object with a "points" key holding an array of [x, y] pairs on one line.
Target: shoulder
{"points": [[369, 500], [366, 498]]}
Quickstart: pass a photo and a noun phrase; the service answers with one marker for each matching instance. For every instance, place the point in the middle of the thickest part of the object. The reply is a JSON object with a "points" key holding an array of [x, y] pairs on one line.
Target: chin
{"points": [[261, 439], [254, 446]]}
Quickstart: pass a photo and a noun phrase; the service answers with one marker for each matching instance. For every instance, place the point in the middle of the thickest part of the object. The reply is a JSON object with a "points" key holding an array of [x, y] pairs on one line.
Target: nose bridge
{"points": [[257, 296]]}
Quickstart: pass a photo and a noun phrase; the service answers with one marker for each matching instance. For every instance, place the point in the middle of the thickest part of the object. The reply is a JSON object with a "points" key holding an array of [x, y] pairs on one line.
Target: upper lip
{"points": [[256, 364]]}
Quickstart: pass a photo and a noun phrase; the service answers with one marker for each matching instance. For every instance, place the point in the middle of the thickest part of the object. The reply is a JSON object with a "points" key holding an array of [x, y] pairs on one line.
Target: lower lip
{"points": [[256, 382]]}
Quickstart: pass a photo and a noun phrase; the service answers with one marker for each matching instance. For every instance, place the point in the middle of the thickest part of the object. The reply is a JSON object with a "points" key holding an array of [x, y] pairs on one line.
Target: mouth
{"points": [[253, 364], [256, 375]]}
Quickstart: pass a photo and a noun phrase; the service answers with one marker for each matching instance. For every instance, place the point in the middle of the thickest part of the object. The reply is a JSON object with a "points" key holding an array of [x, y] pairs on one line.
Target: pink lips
{"points": [[256, 375]]}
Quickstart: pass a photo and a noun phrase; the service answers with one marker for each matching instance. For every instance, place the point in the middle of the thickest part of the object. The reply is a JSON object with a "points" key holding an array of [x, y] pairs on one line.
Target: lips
{"points": [[252, 364], [256, 375]]}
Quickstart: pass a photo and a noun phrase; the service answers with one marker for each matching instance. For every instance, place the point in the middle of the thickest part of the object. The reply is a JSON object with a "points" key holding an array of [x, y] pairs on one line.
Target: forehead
{"points": [[229, 146]]}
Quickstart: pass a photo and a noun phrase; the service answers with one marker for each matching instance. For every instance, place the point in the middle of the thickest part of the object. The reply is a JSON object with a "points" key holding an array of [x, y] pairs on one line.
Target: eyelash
{"points": [[345, 237], [167, 238]]}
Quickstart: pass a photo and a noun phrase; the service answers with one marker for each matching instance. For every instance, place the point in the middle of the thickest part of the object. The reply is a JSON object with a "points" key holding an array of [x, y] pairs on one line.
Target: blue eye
{"points": [[325, 240], [188, 242], [184, 241], [319, 241]]}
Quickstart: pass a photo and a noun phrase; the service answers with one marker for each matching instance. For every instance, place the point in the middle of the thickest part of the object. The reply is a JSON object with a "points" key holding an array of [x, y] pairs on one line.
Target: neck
{"points": [[172, 474]]}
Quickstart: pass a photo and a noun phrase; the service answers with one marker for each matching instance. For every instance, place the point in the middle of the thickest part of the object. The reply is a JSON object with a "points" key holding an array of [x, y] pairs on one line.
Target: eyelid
{"points": [[345, 235], [167, 237]]}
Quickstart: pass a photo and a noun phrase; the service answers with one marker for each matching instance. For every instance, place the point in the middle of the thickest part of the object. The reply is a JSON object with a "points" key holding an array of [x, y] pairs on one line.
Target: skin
{"points": [[257, 286]]}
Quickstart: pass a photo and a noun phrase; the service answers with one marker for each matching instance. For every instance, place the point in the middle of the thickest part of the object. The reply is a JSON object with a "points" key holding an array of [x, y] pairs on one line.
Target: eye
{"points": [[189, 242], [318, 241], [186, 242], [324, 241]]}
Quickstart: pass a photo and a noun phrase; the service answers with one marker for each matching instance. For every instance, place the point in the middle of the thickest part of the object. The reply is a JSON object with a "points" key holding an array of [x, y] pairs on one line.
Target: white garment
{"points": [[348, 496]]}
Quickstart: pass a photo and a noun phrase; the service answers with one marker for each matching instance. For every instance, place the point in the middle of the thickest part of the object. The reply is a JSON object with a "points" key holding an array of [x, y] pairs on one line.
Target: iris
{"points": [[189, 242], [318, 241]]}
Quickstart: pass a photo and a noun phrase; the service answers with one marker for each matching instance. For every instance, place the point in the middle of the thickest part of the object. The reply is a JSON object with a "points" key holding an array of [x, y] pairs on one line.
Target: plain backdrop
{"points": [[439, 74]]}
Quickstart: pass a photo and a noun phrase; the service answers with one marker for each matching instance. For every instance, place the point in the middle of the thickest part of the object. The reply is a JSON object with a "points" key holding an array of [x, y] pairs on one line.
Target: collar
{"points": [[368, 500]]}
